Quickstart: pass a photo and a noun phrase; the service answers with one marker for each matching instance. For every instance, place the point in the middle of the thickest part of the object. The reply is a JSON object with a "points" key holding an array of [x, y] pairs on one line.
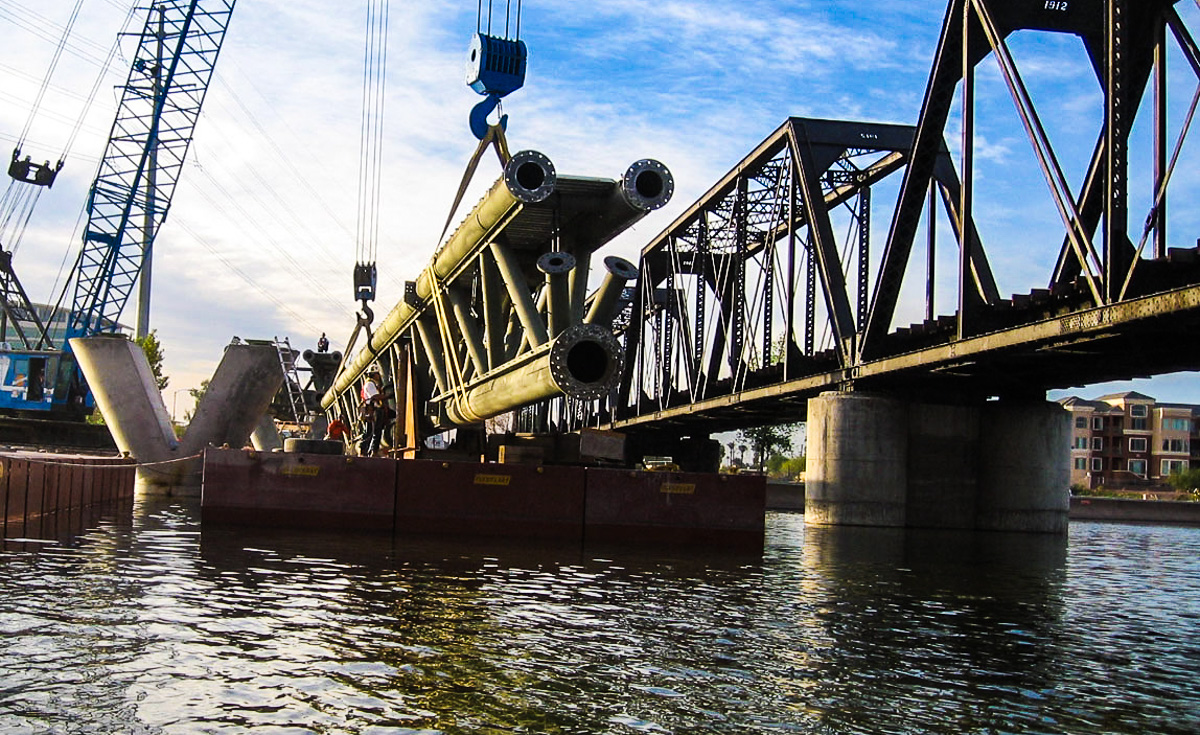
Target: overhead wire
{"points": [[20, 198], [233, 203], [113, 52], [270, 139], [270, 142], [17, 207], [51, 31], [50, 71], [256, 284]]}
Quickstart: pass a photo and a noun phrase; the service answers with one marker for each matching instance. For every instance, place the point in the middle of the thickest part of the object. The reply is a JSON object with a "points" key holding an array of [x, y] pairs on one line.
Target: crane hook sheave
{"points": [[495, 67]]}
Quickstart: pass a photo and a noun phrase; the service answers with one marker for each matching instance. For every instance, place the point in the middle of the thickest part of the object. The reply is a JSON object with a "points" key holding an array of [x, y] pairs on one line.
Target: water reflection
{"points": [[154, 626], [930, 627]]}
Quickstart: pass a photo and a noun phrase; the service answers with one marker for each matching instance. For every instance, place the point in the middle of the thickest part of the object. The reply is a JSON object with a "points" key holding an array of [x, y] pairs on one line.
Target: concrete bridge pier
{"points": [[1025, 472], [875, 460], [857, 460]]}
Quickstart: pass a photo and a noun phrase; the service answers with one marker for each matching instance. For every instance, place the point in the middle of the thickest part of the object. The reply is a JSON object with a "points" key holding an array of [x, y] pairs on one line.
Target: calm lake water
{"points": [[146, 624]]}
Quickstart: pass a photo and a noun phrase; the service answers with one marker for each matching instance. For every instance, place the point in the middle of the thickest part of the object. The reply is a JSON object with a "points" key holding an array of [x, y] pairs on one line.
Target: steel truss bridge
{"points": [[766, 292]]}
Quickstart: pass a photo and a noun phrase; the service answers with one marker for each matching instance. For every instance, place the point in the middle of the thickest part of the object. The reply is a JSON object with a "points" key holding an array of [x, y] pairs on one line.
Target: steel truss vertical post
{"points": [[1160, 136], [1117, 258], [790, 317], [704, 265], [768, 304], [968, 175], [931, 252], [667, 343], [864, 252], [810, 299], [737, 281]]}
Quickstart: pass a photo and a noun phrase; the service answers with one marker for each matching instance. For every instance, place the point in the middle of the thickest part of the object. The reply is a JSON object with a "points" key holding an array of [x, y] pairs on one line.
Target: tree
{"points": [[196, 394], [154, 355], [768, 440], [1185, 481], [794, 467]]}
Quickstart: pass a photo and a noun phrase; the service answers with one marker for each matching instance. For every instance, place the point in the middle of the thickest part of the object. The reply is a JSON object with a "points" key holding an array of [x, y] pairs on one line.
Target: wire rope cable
{"points": [[511, 21], [371, 131], [41, 94], [105, 66]]}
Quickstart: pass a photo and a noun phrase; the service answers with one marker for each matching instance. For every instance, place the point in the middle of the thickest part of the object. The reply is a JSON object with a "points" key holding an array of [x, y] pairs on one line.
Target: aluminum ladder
{"points": [[291, 380]]}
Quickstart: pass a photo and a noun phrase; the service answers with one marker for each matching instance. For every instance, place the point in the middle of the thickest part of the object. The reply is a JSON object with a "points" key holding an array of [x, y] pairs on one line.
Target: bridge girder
{"points": [[760, 308]]}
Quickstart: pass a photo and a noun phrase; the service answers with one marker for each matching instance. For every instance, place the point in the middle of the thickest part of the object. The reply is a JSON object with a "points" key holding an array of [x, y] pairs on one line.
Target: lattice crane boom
{"points": [[131, 196]]}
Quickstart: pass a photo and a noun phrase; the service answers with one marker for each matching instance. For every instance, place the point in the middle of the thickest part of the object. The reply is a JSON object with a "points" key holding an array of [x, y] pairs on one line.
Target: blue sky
{"points": [[260, 240]]}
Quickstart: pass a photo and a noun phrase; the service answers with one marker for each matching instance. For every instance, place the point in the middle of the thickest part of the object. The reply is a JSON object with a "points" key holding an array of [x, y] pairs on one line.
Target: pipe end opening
{"points": [[648, 184], [530, 176]]}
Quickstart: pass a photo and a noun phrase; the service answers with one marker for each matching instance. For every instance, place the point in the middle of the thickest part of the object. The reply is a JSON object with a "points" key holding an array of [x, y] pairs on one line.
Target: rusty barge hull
{"points": [[410, 497]]}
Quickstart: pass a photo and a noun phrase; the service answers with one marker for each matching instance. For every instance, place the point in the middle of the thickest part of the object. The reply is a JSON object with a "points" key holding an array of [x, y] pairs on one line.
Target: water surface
{"points": [[149, 625]]}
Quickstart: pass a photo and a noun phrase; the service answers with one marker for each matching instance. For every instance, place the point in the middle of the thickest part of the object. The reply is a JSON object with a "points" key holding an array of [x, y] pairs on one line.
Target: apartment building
{"points": [[1130, 439]]}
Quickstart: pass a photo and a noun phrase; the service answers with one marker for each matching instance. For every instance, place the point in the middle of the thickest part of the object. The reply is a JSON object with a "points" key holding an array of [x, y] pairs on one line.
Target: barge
{"points": [[430, 496]]}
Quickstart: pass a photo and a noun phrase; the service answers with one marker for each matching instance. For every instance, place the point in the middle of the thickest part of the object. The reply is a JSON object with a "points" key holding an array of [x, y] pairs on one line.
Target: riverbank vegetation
{"points": [[1182, 487]]}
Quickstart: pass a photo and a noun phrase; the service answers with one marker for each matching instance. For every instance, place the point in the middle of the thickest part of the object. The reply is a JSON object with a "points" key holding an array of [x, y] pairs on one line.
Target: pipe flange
{"points": [[556, 262], [530, 176], [648, 184], [585, 361], [620, 267]]}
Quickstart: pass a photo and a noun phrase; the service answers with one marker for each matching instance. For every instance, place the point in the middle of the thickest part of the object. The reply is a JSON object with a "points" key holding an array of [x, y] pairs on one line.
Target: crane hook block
{"points": [[39, 174], [479, 115], [364, 282], [495, 66]]}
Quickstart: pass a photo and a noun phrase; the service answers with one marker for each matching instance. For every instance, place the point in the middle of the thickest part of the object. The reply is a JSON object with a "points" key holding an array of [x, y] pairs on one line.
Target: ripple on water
{"points": [[149, 626]]}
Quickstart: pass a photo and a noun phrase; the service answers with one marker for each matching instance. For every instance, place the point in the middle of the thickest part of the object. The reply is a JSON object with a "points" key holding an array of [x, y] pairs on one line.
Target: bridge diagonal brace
{"points": [[927, 143], [1079, 239], [950, 189], [833, 282]]}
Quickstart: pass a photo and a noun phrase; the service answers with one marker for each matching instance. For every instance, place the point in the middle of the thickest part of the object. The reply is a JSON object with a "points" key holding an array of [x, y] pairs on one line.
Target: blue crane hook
{"points": [[495, 67]]}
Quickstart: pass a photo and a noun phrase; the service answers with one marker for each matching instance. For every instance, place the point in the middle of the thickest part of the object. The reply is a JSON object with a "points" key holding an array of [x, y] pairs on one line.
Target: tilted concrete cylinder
{"points": [[239, 392], [123, 385], [127, 395]]}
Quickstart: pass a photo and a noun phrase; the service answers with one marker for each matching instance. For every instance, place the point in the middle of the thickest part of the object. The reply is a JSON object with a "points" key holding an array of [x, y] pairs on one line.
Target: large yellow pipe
{"points": [[583, 359], [528, 177], [584, 362]]}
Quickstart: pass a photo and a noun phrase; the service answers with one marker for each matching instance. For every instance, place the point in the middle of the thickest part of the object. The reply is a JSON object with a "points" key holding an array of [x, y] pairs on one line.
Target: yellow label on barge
{"points": [[678, 488], [499, 480]]}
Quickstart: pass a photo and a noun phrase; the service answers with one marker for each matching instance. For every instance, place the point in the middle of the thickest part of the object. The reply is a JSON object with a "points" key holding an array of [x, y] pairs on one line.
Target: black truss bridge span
{"points": [[769, 290]]}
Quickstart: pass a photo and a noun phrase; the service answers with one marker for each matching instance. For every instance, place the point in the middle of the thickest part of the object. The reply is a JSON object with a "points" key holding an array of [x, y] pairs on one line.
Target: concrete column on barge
{"points": [[238, 394]]}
